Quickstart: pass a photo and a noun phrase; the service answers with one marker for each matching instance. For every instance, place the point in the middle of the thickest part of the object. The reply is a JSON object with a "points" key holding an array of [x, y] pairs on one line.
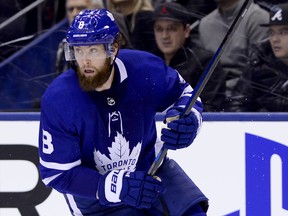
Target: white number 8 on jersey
{"points": [[48, 147]]}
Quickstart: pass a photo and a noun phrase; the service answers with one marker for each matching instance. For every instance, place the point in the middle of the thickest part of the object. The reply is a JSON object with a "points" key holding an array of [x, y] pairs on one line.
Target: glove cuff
{"points": [[198, 117], [110, 187]]}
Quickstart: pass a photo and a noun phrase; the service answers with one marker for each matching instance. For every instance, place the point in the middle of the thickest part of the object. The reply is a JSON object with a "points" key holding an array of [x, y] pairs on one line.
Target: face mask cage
{"points": [[74, 53]]}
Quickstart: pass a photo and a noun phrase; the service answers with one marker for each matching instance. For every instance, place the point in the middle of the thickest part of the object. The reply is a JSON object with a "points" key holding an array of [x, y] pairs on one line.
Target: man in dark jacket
{"points": [[264, 85], [172, 31]]}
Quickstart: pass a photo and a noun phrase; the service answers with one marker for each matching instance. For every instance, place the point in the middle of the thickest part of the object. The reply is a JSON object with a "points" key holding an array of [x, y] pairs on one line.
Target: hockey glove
{"points": [[130, 188], [179, 133]]}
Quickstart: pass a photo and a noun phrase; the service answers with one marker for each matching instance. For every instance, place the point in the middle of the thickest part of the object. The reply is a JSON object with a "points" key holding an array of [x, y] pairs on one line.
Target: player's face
{"points": [[93, 66], [278, 36], [73, 7], [170, 35]]}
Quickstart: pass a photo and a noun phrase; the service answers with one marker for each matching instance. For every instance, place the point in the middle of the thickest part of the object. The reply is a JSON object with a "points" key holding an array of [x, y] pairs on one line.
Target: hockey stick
{"points": [[205, 77]]}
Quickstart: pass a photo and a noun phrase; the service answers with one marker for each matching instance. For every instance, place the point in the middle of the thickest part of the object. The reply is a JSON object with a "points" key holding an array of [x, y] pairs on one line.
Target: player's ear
{"points": [[187, 30], [116, 47]]}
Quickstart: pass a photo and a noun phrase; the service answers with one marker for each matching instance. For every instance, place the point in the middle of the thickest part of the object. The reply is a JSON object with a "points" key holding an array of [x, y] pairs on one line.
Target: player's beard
{"points": [[93, 82]]}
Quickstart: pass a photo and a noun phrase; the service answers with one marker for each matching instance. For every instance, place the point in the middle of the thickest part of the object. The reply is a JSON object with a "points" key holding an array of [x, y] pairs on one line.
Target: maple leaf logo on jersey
{"points": [[119, 157]]}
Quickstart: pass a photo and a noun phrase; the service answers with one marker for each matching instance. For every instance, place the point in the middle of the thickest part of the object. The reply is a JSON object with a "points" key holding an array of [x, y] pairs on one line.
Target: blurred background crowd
{"points": [[251, 76]]}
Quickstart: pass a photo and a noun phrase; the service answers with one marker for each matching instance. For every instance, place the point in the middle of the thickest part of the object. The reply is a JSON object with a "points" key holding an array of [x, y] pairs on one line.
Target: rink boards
{"points": [[238, 160]]}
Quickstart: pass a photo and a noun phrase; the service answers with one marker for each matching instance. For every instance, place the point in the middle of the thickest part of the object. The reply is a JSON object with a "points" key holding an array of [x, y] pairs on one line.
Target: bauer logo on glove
{"points": [[135, 189]]}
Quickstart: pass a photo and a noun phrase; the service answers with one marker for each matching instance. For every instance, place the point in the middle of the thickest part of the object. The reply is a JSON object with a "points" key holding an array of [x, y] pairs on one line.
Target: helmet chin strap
{"points": [[112, 64]]}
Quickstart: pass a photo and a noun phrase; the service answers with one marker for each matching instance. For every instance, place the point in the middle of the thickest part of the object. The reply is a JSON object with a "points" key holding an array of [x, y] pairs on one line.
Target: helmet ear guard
{"points": [[69, 52], [110, 49]]}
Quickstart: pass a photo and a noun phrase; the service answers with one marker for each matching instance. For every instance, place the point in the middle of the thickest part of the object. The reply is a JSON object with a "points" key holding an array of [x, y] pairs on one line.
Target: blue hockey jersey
{"points": [[86, 134]]}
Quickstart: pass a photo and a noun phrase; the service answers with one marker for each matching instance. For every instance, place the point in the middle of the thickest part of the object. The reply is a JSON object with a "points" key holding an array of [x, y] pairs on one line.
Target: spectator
{"points": [[214, 26], [196, 8], [73, 7], [138, 14], [172, 30], [264, 86]]}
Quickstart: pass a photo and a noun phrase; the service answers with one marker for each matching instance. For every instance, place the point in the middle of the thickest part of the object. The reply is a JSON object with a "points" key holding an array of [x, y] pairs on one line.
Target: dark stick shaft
{"points": [[206, 76]]}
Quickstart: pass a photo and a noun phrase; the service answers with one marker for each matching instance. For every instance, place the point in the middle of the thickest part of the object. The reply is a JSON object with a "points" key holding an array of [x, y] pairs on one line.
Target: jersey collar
{"points": [[122, 70]]}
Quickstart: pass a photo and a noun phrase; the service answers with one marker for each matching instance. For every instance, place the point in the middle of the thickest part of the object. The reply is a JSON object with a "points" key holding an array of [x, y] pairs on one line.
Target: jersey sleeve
{"points": [[60, 155]]}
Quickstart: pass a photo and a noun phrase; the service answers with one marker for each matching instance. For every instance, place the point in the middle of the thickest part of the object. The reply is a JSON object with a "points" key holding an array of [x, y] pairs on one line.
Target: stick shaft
{"points": [[216, 57], [205, 76]]}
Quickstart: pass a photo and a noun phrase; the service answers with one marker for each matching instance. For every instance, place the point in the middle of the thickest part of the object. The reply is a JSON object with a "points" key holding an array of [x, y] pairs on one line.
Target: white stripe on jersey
{"points": [[72, 203], [51, 178], [59, 166]]}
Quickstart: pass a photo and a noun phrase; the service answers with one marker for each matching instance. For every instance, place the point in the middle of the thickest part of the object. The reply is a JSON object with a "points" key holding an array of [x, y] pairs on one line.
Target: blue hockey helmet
{"points": [[91, 27]]}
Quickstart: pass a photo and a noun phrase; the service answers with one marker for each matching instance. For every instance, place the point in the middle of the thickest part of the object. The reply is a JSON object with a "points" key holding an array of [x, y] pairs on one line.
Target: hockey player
{"points": [[98, 137]]}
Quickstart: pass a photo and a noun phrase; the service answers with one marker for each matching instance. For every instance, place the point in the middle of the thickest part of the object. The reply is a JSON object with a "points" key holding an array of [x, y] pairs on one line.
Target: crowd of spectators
{"points": [[251, 76], [263, 86], [217, 23]]}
